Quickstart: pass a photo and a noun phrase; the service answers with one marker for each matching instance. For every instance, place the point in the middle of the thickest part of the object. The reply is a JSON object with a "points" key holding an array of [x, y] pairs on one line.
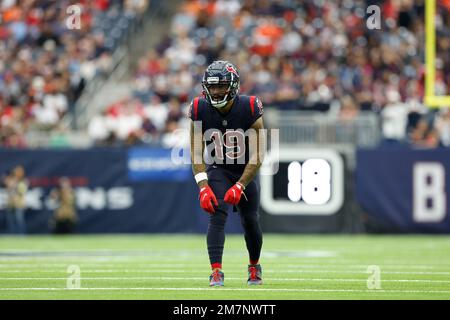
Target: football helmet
{"points": [[220, 83]]}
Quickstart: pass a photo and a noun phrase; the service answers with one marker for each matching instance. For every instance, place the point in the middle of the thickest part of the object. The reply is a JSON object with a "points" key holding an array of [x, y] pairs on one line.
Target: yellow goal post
{"points": [[430, 99]]}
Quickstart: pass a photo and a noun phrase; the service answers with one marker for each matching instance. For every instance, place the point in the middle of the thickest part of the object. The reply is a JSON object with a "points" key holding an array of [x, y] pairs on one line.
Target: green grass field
{"points": [[176, 267]]}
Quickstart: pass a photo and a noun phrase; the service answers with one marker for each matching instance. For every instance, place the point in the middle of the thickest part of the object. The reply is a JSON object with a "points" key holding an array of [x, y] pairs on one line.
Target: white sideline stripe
{"points": [[231, 278], [177, 265], [235, 270], [227, 289], [149, 259]]}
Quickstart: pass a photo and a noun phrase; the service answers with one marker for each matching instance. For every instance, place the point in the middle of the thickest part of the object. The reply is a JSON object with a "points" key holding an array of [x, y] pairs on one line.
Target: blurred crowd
{"points": [[131, 122], [47, 55], [295, 55]]}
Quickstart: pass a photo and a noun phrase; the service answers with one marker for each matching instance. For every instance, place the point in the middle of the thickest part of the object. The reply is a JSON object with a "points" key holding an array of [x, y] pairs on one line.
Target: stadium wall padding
{"points": [[396, 197], [113, 196], [139, 190]]}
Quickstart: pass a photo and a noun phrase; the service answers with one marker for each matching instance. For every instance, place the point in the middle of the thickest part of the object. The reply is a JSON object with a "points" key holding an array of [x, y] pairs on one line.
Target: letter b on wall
{"points": [[429, 196]]}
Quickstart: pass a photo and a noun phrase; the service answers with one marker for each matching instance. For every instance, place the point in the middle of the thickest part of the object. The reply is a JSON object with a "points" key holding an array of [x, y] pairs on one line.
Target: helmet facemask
{"points": [[218, 94]]}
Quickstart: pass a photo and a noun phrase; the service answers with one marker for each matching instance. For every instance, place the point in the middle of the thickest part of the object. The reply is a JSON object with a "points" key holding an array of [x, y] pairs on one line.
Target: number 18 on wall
{"points": [[310, 181]]}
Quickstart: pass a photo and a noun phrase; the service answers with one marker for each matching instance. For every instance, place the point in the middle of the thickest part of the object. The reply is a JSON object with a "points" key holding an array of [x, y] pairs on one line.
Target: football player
{"points": [[228, 177]]}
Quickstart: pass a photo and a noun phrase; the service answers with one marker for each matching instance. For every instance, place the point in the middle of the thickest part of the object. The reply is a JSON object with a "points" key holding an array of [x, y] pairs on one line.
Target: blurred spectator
{"points": [[349, 109], [394, 117], [98, 128], [424, 135], [133, 7], [442, 125], [59, 138], [65, 217], [157, 112], [173, 137], [348, 112], [16, 187]]}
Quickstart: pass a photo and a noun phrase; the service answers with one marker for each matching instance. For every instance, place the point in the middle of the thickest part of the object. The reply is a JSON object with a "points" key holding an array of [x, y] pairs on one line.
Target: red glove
{"points": [[206, 195], [233, 195]]}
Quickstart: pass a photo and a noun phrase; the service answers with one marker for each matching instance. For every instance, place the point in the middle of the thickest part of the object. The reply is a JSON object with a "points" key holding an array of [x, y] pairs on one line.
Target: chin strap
{"points": [[220, 107]]}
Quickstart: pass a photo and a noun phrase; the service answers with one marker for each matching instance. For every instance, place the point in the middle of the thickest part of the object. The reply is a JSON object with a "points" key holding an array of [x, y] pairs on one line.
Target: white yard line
{"points": [[229, 278], [228, 289], [230, 270], [177, 265], [161, 261]]}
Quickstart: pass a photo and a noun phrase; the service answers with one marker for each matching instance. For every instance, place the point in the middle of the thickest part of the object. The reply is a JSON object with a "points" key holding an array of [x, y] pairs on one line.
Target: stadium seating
{"points": [[304, 56], [300, 56], [45, 65]]}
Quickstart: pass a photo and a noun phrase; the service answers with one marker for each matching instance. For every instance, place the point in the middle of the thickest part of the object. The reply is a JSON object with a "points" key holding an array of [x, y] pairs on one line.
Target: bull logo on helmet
{"points": [[231, 69]]}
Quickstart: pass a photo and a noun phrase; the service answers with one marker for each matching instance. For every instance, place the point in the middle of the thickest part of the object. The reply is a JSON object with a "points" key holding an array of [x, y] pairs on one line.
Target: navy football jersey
{"points": [[225, 134]]}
